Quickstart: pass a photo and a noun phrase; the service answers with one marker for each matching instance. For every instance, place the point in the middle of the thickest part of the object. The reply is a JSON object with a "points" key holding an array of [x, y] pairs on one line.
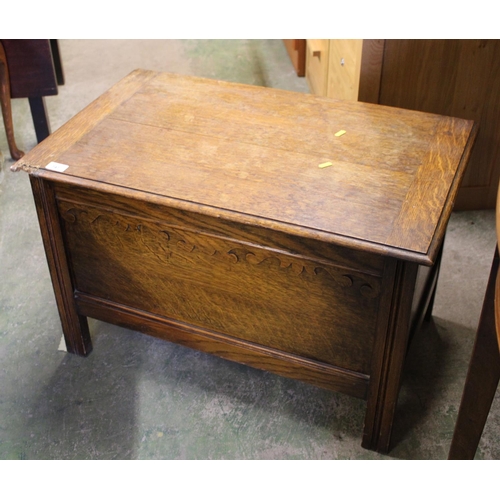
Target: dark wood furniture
{"points": [[195, 210], [15, 152], [35, 71], [484, 371]]}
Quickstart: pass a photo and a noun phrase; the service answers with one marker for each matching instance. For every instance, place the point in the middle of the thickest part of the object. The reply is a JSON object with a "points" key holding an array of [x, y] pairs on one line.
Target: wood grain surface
{"points": [[455, 78], [286, 302], [255, 152]]}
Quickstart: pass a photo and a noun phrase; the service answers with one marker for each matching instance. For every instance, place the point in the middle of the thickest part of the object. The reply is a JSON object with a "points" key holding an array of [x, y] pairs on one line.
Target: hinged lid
{"points": [[340, 171]]}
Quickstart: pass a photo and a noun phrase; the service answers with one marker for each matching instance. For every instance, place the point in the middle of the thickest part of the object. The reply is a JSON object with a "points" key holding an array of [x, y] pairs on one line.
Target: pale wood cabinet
{"points": [[345, 60], [317, 65], [459, 78]]}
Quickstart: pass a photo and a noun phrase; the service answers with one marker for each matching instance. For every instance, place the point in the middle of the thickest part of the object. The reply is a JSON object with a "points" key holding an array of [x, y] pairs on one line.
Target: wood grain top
{"points": [[251, 154]]}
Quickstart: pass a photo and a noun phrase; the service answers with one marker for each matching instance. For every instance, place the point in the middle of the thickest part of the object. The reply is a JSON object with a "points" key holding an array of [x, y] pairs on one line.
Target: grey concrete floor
{"points": [[137, 397]]}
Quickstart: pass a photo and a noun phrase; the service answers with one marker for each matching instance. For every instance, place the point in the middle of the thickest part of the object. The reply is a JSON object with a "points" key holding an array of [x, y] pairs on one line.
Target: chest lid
{"points": [[350, 172]]}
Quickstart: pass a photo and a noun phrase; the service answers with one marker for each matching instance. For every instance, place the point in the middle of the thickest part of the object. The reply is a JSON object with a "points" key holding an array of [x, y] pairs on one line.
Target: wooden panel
{"points": [[297, 51], [183, 173], [286, 244], [261, 357], [344, 69], [457, 78], [371, 70], [290, 303], [317, 55]]}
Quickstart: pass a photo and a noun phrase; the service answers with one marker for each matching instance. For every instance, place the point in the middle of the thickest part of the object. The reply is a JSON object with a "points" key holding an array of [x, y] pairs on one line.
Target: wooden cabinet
{"points": [[333, 67], [345, 60], [317, 65], [457, 78]]}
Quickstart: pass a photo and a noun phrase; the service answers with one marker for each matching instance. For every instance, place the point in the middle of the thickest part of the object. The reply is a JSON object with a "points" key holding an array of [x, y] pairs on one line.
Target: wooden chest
{"points": [[202, 212]]}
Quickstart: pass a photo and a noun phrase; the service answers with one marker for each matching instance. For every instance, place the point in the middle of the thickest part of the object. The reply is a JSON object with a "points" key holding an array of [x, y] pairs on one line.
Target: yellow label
{"points": [[326, 164], [339, 133]]}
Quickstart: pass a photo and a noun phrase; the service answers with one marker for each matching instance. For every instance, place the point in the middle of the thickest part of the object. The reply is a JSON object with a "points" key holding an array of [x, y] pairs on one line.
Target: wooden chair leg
{"points": [[5, 103], [482, 379], [56, 57], [40, 118]]}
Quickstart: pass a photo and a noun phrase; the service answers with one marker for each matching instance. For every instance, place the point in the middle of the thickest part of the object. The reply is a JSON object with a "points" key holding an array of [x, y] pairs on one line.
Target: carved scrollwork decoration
{"points": [[167, 243]]}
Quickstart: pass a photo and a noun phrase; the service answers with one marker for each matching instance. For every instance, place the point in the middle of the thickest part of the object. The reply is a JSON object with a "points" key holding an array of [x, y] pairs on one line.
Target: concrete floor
{"points": [[136, 397]]}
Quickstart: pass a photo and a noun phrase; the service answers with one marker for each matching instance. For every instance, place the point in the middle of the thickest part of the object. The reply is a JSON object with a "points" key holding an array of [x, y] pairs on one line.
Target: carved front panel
{"points": [[287, 302]]}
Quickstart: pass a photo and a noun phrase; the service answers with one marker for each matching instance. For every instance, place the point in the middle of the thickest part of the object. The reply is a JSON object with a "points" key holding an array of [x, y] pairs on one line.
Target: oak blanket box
{"points": [[290, 232]]}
